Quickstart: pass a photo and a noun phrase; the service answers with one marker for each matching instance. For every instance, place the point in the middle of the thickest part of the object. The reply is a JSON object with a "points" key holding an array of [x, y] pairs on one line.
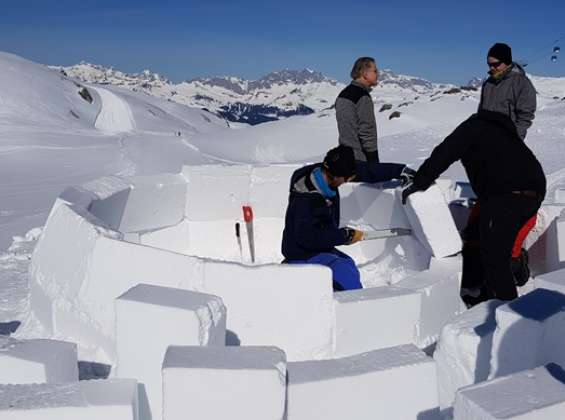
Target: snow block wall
{"points": [[440, 301], [265, 307], [463, 350], [530, 332], [224, 383], [393, 383], [432, 223], [537, 394], [148, 320], [554, 280], [114, 399], [364, 319], [37, 361]]}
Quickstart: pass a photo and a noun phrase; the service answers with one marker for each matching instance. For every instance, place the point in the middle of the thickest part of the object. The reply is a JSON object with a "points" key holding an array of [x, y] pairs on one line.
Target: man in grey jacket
{"points": [[355, 114], [508, 90]]}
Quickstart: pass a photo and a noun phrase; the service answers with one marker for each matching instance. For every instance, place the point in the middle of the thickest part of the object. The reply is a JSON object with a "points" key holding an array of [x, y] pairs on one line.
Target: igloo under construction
{"points": [[148, 275]]}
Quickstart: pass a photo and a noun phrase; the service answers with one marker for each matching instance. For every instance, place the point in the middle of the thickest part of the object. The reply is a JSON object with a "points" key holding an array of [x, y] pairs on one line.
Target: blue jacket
{"points": [[311, 221]]}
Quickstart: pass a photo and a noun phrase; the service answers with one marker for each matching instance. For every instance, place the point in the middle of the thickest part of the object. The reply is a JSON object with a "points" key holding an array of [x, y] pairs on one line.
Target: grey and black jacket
{"points": [[513, 95], [355, 114]]}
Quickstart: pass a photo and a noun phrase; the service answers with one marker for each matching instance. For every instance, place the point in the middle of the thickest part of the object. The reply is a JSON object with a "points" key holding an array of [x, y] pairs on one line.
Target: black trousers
{"points": [[488, 242]]}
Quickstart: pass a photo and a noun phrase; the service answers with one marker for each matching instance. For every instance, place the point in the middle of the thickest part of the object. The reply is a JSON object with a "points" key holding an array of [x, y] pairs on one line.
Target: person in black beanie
{"points": [[312, 230], [508, 90]]}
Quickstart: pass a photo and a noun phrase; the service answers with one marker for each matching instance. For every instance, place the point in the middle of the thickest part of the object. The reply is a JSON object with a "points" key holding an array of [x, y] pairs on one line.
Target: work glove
{"points": [[408, 189], [407, 175], [353, 236]]}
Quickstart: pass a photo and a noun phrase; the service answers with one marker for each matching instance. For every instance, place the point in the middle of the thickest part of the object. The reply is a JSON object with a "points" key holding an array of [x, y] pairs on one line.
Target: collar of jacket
{"points": [[321, 184], [361, 85]]}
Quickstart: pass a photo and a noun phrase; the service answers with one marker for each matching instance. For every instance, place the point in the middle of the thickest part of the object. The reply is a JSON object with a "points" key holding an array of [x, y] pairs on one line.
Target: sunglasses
{"points": [[494, 64]]}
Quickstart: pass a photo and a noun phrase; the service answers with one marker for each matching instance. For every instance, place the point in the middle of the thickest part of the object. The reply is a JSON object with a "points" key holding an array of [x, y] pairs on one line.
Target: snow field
{"points": [[37, 361], [218, 383], [432, 222], [530, 332], [537, 394], [114, 399], [393, 383], [463, 350], [148, 320], [115, 115]]}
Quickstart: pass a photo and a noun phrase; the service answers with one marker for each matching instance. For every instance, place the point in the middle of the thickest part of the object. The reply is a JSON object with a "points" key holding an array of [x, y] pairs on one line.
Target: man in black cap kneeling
{"points": [[312, 230]]}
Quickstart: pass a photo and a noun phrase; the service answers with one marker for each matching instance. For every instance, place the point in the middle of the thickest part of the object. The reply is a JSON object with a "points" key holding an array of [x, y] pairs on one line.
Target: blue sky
{"points": [[442, 40]]}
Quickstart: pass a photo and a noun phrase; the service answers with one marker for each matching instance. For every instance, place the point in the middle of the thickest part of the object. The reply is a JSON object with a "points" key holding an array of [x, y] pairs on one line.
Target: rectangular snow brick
{"points": [[218, 383], [463, 350], [37, 361], [114, 399], [148, 320], [530, 332], [537, 394], [265, 307], [216, 192], [394, 383], [440, 290], [269, 189], [375, 318], [554, 280], [431, 221]]}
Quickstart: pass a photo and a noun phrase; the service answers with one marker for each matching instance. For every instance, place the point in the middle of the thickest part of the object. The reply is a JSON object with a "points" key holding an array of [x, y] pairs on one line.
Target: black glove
{"points": [[372, 156], [407, 176], [408, 189]]}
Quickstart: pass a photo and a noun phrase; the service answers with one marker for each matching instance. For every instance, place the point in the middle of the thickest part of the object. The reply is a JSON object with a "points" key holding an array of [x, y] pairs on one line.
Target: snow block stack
{"points": [[370, 319], [218, 383], [265, 308], [439, 288], [431, 221], [463, 350], [530, 332], [148, 320], [114, 399], [37, 361], [537, 394], [554, 280], [394, 383]]}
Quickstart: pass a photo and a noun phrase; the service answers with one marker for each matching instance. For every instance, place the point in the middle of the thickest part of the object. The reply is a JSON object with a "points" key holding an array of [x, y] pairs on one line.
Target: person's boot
{"points": [[472, 297], [520, 268]]}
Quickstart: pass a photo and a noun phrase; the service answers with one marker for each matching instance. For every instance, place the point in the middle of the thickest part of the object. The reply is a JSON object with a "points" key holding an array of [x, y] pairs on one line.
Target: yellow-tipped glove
{"points": [[353, 236]]}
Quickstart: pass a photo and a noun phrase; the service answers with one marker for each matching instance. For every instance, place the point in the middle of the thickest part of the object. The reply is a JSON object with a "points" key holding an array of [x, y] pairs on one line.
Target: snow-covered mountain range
{"points": [[277, 95]]}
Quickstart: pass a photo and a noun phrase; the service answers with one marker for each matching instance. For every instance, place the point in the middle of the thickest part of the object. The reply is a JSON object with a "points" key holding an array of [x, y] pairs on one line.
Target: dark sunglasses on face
{"points": [[494, 64]]}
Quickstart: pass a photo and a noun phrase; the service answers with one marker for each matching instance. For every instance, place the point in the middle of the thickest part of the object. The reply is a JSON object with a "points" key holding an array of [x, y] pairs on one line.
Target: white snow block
{"points": [[431, 221], [284, 305], [537, 394], [554, 280], [153, 202], [216, 192], [463, 350], [530, 332], [375, 318], [37, 361], [114, 399], [148, 320], [439, 288], [269, 189], [393, 383], [175, 238], [218, 383]]}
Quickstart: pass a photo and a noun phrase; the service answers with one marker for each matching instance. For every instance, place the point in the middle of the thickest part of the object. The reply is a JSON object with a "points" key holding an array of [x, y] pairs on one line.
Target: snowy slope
{"points": [[50, 137]]}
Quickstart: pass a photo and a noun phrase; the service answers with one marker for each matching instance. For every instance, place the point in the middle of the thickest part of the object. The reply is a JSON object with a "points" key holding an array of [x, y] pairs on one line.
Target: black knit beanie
{"points": [[502, 52], [340, 161]]}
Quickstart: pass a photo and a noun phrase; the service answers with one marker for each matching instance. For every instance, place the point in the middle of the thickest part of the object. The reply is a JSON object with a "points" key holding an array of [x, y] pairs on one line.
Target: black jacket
{"points": [[496, 160], [311, 221]]}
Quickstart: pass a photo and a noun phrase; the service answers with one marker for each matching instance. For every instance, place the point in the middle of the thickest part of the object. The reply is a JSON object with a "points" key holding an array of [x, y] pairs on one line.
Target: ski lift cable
{"points": [[542, 55]]}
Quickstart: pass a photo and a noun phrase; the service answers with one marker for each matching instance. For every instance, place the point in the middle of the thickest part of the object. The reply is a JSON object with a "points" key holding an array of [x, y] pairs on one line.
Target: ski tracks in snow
{"points": [[115, 114]]}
